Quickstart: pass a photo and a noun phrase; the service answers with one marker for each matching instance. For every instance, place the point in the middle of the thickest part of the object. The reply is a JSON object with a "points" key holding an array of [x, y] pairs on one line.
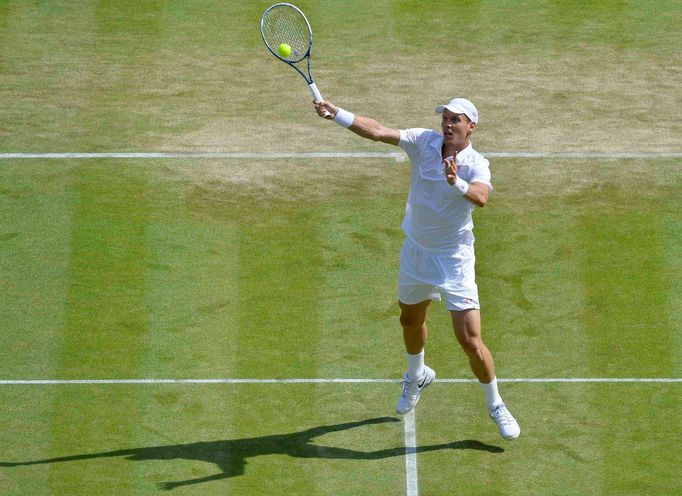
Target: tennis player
{"points": [[448, 178]]}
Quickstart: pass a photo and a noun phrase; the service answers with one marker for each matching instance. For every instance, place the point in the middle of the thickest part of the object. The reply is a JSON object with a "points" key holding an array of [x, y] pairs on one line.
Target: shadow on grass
{"points": [[231, 455]]}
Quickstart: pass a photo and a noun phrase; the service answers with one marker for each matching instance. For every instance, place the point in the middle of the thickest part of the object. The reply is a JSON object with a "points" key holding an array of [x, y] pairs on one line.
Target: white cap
{"points": [[460, 106]]}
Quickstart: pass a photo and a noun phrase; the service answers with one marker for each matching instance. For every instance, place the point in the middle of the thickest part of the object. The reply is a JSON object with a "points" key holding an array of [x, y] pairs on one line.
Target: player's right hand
{"points": [[324, 109]]}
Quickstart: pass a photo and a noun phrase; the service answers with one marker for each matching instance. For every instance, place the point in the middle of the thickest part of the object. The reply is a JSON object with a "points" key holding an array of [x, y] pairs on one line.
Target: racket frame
{"points": [[308, 78]]}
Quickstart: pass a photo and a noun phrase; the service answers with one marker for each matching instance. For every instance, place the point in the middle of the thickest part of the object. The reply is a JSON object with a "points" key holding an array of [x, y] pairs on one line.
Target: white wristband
{"points": [[461, 185], [344, 118]]}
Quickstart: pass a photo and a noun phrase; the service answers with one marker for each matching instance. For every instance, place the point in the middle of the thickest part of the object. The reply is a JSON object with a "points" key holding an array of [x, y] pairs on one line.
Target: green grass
{"points": [[172, 277], [207, 268]]}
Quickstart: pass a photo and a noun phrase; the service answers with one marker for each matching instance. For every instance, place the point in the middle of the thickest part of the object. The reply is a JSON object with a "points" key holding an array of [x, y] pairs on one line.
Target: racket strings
{"points": [[287, 25]]}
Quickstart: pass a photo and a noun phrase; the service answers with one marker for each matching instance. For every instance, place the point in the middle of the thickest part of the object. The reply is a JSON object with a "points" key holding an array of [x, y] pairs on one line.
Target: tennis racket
{"points": [[284, 23]]}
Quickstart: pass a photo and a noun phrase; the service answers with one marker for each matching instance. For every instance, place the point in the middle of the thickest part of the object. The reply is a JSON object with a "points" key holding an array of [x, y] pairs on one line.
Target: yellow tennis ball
{"points": [[284, 50]]}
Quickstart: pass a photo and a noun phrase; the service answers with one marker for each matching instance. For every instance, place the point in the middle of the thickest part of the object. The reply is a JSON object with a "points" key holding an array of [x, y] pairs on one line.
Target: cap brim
{"points": [[451, 108]]}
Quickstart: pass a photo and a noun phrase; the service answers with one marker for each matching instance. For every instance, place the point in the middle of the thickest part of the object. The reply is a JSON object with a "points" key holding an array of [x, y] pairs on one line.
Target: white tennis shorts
{"points": [[425, 275]]}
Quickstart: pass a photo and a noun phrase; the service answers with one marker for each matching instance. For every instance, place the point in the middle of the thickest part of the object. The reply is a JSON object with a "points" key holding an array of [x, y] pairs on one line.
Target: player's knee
{"points": [[410, 322], [472, 346]]}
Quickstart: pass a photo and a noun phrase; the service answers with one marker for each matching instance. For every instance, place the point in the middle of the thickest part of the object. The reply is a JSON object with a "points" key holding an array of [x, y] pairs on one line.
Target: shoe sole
{"points": [[511, 438]]}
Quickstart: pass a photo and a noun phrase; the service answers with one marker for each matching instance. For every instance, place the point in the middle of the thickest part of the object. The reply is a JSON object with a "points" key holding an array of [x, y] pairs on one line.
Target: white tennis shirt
{"points": [[437, 217]]}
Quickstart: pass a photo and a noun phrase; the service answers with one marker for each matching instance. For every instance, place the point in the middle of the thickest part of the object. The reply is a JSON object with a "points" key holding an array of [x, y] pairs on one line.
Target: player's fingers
{"points": [[325, 109]]}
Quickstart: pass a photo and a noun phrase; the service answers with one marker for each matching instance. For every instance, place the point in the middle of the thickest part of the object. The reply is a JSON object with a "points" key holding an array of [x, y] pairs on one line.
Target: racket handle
{"points": [[315, 92], [317, 95]]}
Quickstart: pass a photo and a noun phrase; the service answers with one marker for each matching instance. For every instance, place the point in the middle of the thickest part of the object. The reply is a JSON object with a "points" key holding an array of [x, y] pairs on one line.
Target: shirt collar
{"points": [[437, 144]]}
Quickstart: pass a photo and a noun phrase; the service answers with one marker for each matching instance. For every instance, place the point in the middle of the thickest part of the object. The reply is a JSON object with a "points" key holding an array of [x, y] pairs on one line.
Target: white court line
{"points": [[231, 155], [609, 155], [411, 477], [9, 382], [397, 156]]}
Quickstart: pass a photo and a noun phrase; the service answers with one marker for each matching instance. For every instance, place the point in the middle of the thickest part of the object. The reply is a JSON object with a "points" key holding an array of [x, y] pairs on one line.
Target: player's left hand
{"points": [[450, 169]]}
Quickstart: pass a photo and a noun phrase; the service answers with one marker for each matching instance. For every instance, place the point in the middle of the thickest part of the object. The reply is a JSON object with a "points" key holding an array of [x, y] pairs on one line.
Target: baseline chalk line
{"points": [[397, 156], [630, 380]]}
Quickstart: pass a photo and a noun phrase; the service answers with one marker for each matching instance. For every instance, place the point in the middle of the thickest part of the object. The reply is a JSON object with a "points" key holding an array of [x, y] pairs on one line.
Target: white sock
{"points": [[492, 397], [415, 365]]}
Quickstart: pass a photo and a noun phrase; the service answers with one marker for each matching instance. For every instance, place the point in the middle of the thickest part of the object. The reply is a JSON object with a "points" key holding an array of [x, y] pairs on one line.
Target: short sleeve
{"points": [[410, 141], [480, 172]]}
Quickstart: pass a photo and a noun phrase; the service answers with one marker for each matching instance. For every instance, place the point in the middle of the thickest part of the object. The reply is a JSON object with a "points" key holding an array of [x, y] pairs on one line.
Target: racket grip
{"points": [[315, 92], [317, 95]]}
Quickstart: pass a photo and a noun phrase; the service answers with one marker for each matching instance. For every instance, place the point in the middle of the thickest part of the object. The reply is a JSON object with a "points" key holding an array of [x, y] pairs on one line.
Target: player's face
{"points": [[456, 128]]}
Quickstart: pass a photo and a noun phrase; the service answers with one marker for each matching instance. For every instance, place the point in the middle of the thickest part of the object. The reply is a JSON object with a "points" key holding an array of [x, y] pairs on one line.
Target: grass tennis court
{"points": [[281, 268]]}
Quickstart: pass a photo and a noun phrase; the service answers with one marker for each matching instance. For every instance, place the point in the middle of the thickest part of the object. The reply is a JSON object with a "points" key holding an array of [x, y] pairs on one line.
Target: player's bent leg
{"points": [[413, 322], [467, 327]]}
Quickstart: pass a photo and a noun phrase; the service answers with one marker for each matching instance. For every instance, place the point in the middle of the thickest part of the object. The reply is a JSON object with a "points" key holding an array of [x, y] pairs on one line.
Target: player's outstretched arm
{"points": [[362, 126]]}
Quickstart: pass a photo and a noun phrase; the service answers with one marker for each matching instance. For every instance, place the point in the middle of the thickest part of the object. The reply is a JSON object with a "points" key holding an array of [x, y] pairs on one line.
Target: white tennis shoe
{"points": [[506, 423], [412, 390]]}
